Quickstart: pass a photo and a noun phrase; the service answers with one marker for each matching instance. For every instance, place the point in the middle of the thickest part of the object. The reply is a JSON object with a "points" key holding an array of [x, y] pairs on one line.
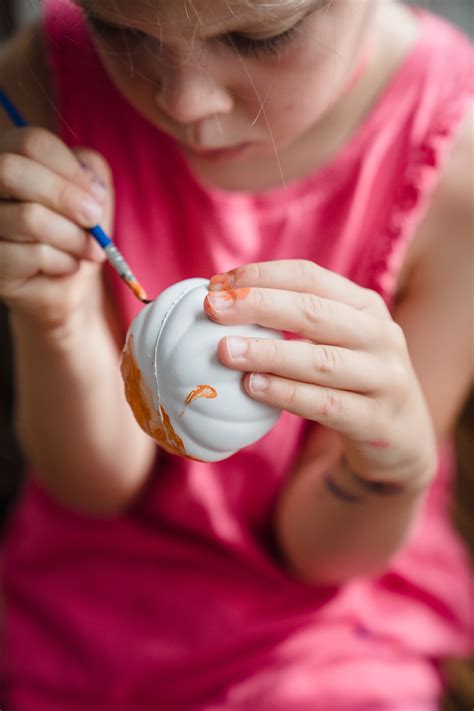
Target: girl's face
{"points": [[237, 83]]}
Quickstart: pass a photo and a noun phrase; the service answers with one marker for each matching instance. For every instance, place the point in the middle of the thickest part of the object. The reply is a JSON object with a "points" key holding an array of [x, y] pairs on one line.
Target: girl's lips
{"points": [[217, 153]]}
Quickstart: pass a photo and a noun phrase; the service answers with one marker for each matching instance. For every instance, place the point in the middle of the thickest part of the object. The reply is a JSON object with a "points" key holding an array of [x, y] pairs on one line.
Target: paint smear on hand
{"points": [[232, 296], [223, 282], [156, 424], [206, 391]]}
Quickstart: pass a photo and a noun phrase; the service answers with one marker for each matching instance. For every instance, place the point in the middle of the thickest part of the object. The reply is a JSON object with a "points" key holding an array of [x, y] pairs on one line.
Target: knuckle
{"points": [[255, 273], [94, 161], [397, 376], [375, 302], [396, 337], [290, 396], [10, 171], [397, 387], [313, 308], [64, 194], [329, 404], [30, 217], [325, 360], [260, 300], [34, 142], [273, 352]]}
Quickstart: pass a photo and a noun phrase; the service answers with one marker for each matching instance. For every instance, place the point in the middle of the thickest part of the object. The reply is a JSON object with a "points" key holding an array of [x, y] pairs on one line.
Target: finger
{"points": [[333, 367], [26, 180], [32, 222], [47, 149], [322, 320], [349, 413], [100, 171], [303, 276], [21, 262]]}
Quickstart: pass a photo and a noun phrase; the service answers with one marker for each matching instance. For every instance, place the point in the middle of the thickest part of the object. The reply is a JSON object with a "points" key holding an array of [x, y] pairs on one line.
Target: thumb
{"points": [[98, 167]]}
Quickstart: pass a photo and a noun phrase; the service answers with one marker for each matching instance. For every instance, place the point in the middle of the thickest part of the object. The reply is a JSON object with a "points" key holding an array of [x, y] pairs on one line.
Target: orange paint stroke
{"points": [[206, 391], [156, 424]]}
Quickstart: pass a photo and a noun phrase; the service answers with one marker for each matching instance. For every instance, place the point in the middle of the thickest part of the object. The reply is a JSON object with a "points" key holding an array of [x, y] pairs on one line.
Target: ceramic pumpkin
{"points": [[179, 391]]}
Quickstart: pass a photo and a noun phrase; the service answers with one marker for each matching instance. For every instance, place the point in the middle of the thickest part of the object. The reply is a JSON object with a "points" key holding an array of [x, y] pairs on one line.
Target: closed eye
{"points": [[250, 46], [108, 30], [241, 43]]}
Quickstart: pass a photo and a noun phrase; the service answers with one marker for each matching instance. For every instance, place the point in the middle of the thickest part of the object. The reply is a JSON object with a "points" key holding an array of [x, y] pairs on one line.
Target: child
{"points": [[315, 153]]}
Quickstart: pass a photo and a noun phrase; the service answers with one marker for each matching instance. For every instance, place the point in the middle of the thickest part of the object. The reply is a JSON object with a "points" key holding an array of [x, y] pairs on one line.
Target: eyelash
{"points": [[246, 46], [104, 29], [255, 47]]}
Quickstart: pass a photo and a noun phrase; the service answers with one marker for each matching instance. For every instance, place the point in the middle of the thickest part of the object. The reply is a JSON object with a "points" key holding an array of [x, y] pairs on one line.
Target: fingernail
{"points": [[236, 346], [220, 300], [98, 190], [90, 211], [258, 382]]}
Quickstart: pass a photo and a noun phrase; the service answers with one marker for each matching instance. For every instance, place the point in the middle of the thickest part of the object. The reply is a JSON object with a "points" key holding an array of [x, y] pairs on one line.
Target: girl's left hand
{"points": [[351, 373]]}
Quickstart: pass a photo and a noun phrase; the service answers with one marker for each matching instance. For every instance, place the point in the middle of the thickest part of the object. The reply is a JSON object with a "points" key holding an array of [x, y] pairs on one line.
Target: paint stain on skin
{"points": [[206, 391], [157, 425], [241, 294], [233, 295], [223, 282]]}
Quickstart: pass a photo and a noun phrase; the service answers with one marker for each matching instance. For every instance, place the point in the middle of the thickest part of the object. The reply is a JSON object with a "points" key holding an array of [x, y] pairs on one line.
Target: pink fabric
{"points": [[181, 602]]}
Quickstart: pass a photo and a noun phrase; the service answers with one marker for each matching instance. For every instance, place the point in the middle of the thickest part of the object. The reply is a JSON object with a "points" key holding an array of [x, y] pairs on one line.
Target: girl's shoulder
{"points": [[25, 77], [446, 230]]}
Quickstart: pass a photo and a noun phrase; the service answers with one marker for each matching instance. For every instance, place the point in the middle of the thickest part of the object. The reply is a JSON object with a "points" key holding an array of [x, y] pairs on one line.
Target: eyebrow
{"points": [[302, 6]]}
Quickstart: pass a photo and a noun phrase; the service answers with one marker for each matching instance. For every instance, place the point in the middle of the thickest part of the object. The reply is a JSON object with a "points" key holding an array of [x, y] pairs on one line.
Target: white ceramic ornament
{"points": [[180, 392]]}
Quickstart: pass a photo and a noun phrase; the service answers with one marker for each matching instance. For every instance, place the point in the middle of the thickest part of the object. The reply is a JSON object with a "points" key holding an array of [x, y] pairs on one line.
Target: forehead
{"points": [[187, 14]]}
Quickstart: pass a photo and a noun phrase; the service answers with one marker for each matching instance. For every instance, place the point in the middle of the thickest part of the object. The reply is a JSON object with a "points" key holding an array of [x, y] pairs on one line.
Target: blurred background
{"points": [[460, 697]]}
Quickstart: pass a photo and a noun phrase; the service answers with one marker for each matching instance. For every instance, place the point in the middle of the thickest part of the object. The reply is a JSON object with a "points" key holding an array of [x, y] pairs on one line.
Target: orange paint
{"points": [[223, 282], [134, 390], [137, 289], [233, 295], [199, 391], [156, 424]]}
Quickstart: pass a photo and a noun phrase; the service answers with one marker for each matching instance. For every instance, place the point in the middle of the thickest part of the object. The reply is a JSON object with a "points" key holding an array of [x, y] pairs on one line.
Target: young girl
{"points": [[317, 154]]}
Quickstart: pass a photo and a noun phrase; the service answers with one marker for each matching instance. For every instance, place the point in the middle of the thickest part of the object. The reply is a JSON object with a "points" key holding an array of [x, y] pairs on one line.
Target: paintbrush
{"points": [[111, 251]]}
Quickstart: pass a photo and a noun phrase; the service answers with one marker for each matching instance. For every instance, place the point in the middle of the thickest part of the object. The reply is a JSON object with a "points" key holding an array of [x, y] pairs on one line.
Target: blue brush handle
{"points": [[11, 111]]}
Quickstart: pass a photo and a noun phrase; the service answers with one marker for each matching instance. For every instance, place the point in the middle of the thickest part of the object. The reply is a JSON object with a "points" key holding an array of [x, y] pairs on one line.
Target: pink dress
{"points": [[181, 603]]}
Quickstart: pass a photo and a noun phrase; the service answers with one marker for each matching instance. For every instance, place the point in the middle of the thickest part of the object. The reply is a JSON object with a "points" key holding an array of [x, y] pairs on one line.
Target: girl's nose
{"points": [[189, 94]]}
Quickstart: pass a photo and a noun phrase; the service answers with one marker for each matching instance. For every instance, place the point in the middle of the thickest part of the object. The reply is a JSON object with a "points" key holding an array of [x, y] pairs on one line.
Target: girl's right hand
{"points": [[49, 194]]}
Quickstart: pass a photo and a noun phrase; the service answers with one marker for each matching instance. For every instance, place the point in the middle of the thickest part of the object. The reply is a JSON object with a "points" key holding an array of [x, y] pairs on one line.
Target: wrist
{"points": [[67, 345], [348, 485]]}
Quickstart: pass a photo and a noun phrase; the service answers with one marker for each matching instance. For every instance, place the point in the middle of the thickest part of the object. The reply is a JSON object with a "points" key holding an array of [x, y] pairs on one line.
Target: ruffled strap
{"points": [[435, 124]]}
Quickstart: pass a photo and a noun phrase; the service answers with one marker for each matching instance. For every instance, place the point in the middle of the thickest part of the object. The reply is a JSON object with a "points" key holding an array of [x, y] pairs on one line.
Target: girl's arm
{"points": [[73, 421], [386, 392], [329, 538]]}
